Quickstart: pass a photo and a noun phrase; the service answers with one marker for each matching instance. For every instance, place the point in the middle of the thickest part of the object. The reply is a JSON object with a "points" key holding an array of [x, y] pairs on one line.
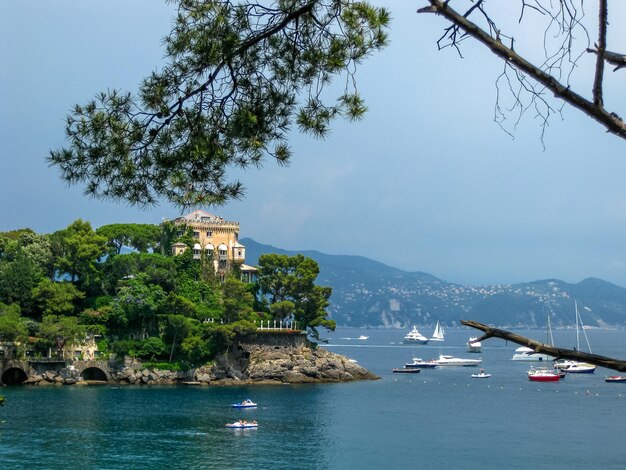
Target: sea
{"points": [[438, 419]]}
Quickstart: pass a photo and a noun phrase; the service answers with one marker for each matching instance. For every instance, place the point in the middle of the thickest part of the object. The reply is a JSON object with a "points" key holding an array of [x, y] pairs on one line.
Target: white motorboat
{"points": [[447, 360], [415, 337], [363, 337], [438, 334], [473, 345], [528, 354]]}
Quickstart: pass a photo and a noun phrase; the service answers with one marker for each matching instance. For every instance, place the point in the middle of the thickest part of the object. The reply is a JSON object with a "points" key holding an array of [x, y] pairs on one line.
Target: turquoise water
{"points": [[439, 418]]}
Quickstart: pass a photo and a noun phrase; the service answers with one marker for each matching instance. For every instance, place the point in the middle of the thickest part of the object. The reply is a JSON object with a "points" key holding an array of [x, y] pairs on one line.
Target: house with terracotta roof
{"points": [[215, 240]]}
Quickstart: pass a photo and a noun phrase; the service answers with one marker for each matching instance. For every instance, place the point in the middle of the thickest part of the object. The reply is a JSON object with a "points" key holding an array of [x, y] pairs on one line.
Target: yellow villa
{"points": [[215, 239]]}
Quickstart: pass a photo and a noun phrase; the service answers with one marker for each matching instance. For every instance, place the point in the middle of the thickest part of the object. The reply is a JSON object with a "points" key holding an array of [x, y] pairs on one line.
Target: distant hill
{"points": [[370, 293]]}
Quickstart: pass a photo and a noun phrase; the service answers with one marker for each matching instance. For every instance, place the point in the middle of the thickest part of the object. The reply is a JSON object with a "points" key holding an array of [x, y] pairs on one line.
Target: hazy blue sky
{"points": [[426, 182]]}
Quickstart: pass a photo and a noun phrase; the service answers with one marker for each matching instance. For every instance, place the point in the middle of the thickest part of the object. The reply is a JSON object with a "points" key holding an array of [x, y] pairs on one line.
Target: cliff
{"points": [[264, 359]]}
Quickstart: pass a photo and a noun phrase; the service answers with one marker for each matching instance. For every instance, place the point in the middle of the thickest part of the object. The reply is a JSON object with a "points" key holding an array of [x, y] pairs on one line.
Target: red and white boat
{"points": [[542, 374]]}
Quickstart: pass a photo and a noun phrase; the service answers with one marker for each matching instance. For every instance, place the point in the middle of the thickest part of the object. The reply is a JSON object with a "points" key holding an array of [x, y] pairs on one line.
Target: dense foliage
{"points": [[118, 287]]}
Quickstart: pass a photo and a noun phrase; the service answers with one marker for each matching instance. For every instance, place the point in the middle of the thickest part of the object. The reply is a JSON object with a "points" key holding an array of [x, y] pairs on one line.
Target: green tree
{"points": [[141, 237], [17, 279], [177, 328], [78, 249], [56, 298], [151, 348], [136, 307], [238, 301], [158, 269], [291, 279], [12, 326], [239, 76], [195, 349], [61, 331]]}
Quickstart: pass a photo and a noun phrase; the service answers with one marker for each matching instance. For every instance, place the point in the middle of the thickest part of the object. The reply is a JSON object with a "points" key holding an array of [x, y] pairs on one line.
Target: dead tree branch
{"points": [[595, 110], [557, 353]]}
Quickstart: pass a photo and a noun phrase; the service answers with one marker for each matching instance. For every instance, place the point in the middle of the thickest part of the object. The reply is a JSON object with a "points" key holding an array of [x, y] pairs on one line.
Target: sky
{"points": [[425, 182]]}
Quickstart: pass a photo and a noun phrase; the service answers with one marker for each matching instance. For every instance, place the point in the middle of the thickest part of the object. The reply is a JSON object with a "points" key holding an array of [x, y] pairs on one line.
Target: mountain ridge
{"points": [[368, 293]]}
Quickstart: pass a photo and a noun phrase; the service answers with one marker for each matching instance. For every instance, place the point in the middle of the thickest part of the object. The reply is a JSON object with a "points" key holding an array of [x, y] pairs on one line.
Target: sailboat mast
{"points": [[577, 319]]}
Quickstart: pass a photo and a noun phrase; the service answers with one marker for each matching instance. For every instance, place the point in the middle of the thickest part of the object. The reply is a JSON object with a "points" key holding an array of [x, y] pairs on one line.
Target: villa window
{"points": [[209, 233], [196, 234]]}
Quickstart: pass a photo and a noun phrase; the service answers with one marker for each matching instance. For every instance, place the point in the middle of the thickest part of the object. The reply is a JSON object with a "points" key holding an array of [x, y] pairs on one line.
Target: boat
{"points": [[577, 367], [243, 425], [615, 378], [528, 354], [419, 363], [406, 370], [481, 375], [438, 334], [473, 345], [363, 337], [543, 374], [447, 360], [415, 337], [247, 403]]}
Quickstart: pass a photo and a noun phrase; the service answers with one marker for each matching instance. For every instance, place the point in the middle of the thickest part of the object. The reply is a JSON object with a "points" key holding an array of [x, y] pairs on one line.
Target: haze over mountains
{"points": [[367, 293]]}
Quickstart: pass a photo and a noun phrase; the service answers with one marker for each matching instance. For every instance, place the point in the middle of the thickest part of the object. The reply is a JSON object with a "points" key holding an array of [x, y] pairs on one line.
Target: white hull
{"points": [[451, 361]]}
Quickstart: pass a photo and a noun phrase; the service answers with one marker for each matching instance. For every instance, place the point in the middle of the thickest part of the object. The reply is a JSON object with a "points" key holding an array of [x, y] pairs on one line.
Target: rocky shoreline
{"points": [[245, 364]]}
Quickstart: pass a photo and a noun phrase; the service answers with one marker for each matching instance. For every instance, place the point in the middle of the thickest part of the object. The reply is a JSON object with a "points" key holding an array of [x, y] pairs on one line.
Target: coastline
{"points": [[249, 361]]}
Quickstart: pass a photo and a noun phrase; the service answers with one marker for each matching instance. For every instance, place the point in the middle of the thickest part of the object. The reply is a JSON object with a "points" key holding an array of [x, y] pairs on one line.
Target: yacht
{"points": [[415, 337], [447, 360], [527, 354]]}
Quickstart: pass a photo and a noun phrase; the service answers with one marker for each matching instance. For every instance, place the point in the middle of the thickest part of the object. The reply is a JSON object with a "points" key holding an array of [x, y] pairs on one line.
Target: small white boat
{"points": [[247, 403], [481, 375], [528, 354], [438, 334], [447, 360], [363, 337], [415, 337], [243, 425], [473, 345]]}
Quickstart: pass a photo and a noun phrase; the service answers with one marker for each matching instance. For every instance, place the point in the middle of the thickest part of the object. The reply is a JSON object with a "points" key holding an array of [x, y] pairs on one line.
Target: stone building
{"points": [[215, 240]]}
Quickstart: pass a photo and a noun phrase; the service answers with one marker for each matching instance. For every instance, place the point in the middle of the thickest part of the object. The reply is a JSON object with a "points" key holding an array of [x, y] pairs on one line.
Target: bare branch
{"points": [[597, 83]]}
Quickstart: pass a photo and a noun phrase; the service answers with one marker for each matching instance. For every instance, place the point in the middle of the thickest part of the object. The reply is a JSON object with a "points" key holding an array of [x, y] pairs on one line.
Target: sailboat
{"points": [[438, 334], [577, 367]]}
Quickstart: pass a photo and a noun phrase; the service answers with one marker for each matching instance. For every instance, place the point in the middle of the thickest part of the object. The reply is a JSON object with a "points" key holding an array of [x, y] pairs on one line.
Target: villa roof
{"points": [[200, 215]]}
